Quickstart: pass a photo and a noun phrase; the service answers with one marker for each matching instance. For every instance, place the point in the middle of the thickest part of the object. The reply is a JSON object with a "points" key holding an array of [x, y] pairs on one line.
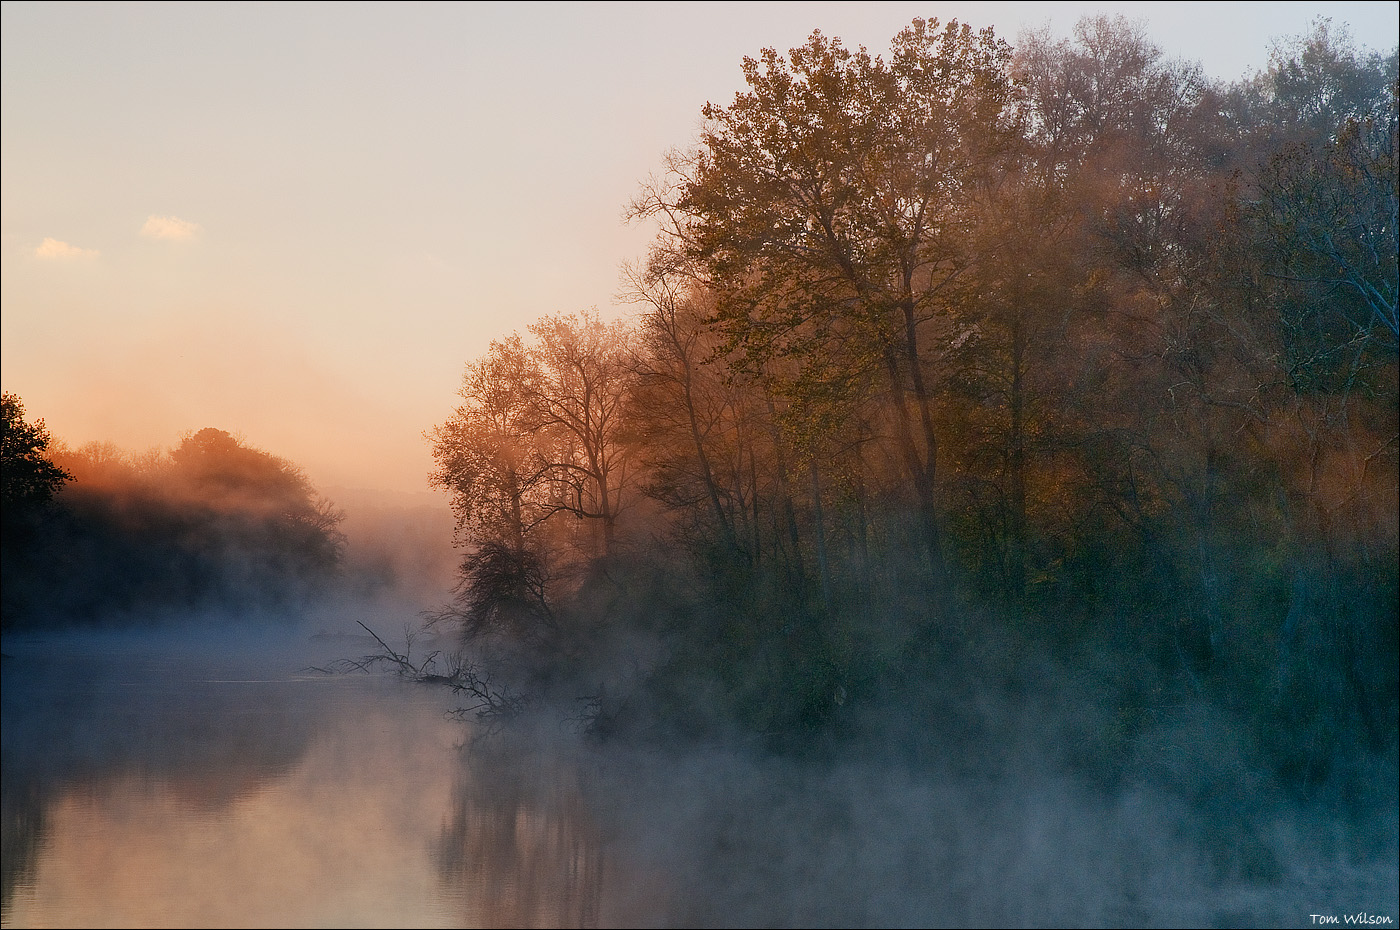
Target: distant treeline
{"points": [[1065, 342], [95, 534]]}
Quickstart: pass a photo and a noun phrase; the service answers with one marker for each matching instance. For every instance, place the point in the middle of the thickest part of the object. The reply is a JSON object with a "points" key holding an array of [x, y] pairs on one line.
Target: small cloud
{"points": [[56, 250], [169, 227]]}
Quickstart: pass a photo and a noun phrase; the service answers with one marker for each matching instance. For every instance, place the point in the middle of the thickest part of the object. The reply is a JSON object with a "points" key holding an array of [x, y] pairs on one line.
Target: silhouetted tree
{"points": [[29, 480], [27, 475], [214, 522]]}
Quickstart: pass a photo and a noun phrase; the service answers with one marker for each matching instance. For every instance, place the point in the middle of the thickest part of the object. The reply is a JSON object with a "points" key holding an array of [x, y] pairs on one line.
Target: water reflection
{"points": [[145, 786], [521, 845], [22, 807], [222, 785]]}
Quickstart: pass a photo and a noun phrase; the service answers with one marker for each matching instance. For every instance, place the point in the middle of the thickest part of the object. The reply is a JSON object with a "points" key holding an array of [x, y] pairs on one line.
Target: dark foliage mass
{"points": [[213, 523], [28, 478], [958, 357]]}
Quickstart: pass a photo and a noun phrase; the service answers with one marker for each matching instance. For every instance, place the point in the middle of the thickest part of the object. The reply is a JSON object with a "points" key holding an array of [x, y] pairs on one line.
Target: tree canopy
{"points": [[29, 476], [212, 523], [1065, 341]]}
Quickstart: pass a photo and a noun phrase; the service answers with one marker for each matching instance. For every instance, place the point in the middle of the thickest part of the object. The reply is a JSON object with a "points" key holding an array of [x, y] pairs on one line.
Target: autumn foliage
{"points": [[1064, 341]]}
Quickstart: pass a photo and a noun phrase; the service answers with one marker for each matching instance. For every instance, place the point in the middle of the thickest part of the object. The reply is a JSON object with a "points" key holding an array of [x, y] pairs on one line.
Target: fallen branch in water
{"points": [[494, 704], [389, 657]]}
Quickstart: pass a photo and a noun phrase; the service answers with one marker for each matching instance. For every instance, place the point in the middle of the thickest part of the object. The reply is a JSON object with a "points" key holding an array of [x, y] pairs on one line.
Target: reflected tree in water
{"points": [[523, 847]]}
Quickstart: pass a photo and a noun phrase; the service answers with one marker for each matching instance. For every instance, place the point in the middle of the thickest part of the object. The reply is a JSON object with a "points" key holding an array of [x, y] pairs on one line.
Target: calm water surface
{"points": [[214, 780]]}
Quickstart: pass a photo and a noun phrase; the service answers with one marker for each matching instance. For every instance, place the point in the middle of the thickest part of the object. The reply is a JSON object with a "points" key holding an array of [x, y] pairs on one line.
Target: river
{"points": [[211, 778], [221, 777]]}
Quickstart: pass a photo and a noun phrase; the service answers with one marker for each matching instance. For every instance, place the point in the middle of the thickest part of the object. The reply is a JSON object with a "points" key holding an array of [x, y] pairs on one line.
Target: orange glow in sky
{"points": [[298, 222]]}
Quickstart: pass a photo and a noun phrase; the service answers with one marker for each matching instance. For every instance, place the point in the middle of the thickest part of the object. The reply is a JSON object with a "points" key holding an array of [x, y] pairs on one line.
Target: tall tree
{"points": [[1326, 218], [540, 433], [486, 453], [679, 394], [827, 206], [582, 376]]}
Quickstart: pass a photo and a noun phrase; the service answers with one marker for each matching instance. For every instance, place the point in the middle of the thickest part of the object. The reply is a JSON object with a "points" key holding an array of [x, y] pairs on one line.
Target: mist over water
{"points": [[230, 768], [211, 776], [752, 841]]}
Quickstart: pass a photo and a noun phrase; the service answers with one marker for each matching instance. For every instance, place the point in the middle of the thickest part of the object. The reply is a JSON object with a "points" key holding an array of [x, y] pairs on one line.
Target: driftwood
{"points": [[493, 705]]}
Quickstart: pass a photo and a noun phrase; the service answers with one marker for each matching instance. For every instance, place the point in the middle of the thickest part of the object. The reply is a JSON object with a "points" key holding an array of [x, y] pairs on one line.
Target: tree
{"points": [[1317, 82], [827, 208], [486, 453], [1327, 221], [1079, 240], [539, 435], [579, 382], [488, 457], [680, 402], [216, 470], [30, 478]]}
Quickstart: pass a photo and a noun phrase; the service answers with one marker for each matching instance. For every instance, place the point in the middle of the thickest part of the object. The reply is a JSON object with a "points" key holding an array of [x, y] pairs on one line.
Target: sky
{"points": [[299, 222]]}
